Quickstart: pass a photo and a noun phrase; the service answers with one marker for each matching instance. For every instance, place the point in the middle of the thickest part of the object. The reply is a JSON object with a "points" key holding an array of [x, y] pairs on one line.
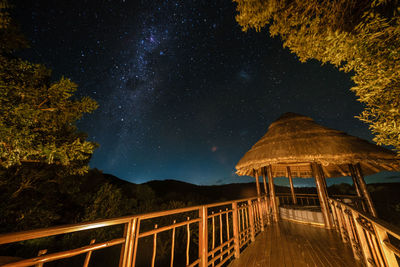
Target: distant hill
{"points": [[386, 196], [170, 189], [177, 190]]}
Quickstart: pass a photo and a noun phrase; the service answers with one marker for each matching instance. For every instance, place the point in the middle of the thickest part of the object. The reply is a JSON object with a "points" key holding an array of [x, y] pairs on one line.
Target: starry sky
{"points": [[183, 92]]}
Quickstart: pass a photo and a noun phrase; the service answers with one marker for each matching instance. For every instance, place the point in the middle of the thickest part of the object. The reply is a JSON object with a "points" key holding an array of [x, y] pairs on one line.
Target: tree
{"points": [[358, 36], [38, 116]]}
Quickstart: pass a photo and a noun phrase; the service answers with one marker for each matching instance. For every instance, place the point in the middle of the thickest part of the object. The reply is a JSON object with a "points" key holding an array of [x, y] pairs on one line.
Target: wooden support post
{"points": [[257, 184], [357, 187], [135, 242], [265, 184], [275, 210], [364, 191], [289, 174], [324, 181], [235, 225], [251, 220], [124, 249], [323, 198], [203, 237], [259, 200], [354, 177], [266, 198]]}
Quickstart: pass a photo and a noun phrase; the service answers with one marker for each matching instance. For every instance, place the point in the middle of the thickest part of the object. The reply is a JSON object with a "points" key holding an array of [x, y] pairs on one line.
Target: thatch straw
{"points": [[295, 140]]}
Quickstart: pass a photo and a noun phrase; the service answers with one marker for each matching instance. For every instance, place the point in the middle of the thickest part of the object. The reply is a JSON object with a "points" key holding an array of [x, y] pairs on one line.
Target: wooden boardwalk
{"points": [[293, 244]]}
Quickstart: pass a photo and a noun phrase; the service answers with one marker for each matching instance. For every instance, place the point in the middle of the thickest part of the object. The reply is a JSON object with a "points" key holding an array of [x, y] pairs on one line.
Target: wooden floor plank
{"points": [[328, 245], [268, 247], [296, 256], [288, 248], [291, 244]]}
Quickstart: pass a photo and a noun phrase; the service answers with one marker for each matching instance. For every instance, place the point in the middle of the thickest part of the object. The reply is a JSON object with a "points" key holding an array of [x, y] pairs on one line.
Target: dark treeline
{"points": [[55, 200]]}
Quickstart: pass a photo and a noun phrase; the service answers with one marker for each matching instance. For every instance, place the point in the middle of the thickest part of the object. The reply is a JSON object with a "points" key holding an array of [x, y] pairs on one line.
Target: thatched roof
{"points": [[295, 140]]}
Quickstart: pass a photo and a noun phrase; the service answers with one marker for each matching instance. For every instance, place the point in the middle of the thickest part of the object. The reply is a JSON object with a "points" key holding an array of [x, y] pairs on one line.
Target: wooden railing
{"points": [[373, 241], [208, 235], [312, 200], [302, 199]]}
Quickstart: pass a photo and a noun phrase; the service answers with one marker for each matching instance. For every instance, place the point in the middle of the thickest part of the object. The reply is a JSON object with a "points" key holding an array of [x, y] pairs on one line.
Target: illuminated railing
{"points": [[373, 241], [313, 200], [301, 199], [208, 235]]}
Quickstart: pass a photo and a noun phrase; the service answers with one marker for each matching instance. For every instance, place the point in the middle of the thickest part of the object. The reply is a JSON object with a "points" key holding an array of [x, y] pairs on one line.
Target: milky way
{"points": [[183, 92]]}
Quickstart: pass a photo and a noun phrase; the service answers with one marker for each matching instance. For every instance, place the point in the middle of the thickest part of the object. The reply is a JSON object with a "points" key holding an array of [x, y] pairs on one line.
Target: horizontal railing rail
{"points": [[301, 199], [205, 235], [372, 240], [313, 200]]}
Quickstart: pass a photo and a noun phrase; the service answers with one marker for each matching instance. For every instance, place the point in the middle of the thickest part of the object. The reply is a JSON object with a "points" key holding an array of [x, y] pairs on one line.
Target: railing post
{"points": [[251, 219], [260, 212], [235, 226], [128, 247], [88, 255], [363, 242], [350, 233], [334, 215], [267, 208], [203, 237], [40, 253], [135, 240], [342, 227], [383, 240]]}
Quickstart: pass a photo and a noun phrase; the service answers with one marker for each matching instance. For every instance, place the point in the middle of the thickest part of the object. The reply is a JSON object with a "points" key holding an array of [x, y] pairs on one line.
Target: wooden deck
{"points": [[293, 244]]}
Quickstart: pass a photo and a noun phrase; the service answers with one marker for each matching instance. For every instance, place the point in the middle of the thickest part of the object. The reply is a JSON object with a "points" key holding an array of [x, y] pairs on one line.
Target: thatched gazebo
{"points": [[295, 145]]}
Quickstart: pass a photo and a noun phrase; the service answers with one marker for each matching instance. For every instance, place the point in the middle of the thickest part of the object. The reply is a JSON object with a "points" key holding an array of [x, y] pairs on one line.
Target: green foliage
{"points": [[108, 202], [37, 116], [358, 36], [35, 196], [40, 146], [4, 15]]}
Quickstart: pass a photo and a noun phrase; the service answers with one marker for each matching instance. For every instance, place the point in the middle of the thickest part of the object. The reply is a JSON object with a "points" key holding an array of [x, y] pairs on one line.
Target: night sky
{"points": [[183, 92]]}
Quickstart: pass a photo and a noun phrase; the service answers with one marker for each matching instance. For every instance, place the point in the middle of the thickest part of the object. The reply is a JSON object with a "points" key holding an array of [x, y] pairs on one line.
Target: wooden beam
{"points": [[289, 175], [354, 177], [266, 197], [357, 187], [363, 189], [257, 184], [259, 201], [323, 198], [265, 184], [322, 173], [274, 204]]}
